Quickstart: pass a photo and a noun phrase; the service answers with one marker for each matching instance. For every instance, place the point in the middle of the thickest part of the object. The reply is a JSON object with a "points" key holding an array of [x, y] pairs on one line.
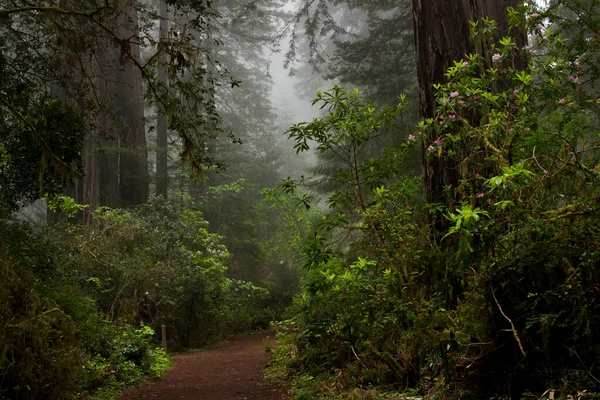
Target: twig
{"points": [[514, 330]]}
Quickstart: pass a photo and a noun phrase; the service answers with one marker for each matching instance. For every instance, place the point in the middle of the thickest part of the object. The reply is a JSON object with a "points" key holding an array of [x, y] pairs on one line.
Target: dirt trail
{"points": [[232, 371]]}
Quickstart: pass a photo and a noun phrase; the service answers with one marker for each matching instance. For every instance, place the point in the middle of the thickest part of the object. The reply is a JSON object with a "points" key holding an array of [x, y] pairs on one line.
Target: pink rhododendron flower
{"points": [[539, 27], [574, 79], [561, 101], [480, 195], [496, 57], [442, 122], [431, 149], [516, 91], [534, 15], [454, 94], [438, 142], [460, 102], [411, 137], [452, 116]]}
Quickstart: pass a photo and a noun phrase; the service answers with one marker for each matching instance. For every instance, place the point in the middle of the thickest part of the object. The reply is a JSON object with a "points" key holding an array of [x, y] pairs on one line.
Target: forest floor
{"points": [[234, 370]]}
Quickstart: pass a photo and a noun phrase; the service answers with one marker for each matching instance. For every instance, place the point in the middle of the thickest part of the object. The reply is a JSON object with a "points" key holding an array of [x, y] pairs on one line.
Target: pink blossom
{"points": [[533, 52], [577, 63], [438, 142], [445, 101], [515, 92], [452, 116], [454, 94], [534, 15], [411, 137], [477, 175], [560, 101], [574, 79], [464, 65], [147, 293], [460, 102], [442, 122], [545, 37], [496, 57], [480, 196], [431, 149], [419, 133], [539, 27]]}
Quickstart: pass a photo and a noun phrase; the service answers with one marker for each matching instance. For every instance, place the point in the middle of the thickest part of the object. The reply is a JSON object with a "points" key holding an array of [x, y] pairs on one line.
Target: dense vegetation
{"points": [[93, 296], [91, 93], [490, 292], [455, 257]]}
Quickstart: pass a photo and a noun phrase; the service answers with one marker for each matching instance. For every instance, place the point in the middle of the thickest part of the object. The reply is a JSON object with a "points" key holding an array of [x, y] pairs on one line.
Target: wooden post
{"points": [[163, 331]]}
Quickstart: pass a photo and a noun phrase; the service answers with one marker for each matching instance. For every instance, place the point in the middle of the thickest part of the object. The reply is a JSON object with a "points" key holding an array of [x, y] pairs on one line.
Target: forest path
{"points": [[231, 371]]}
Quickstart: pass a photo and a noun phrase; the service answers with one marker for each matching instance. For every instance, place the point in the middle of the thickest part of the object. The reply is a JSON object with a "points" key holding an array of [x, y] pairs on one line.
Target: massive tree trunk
{"points": [[442, 36], [129, 101], [108, 138], [162, 176]]}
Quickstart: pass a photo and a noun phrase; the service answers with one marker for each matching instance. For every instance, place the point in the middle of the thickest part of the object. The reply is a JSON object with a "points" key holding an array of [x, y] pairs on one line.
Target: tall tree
{"points": [[162, 175], [129, 102], [442, 36], [91, 51]]}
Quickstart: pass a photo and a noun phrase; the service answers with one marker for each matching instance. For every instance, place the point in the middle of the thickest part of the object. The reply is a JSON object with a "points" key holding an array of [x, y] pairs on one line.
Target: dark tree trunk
{"points": [[162, 176], [442, 36], [134, 180], [108, 138]]}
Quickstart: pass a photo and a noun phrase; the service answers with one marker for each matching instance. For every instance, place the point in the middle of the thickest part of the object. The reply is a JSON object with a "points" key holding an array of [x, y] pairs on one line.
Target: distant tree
{"points": [[162, 137], [88, 55], [252, 161]]}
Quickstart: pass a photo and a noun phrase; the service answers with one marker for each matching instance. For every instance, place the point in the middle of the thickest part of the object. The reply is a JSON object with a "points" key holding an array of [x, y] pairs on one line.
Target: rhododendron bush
{"points": [[505, 300]]}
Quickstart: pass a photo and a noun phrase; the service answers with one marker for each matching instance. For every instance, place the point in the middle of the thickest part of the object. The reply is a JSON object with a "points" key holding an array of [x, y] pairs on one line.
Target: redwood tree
{"points": [[162, 175], [442, 30]]}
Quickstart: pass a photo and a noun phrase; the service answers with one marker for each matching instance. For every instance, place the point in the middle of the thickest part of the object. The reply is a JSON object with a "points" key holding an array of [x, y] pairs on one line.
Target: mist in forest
{"points": [[406, 191]]}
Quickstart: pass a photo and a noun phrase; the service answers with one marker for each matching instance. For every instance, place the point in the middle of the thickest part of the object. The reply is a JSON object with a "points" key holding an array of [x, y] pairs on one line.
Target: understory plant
{"points": [[82, 306], [504, 300]]}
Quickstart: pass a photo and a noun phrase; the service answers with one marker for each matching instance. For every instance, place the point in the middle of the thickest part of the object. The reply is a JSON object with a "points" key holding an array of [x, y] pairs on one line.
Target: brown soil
{"points": [[232, 371]]}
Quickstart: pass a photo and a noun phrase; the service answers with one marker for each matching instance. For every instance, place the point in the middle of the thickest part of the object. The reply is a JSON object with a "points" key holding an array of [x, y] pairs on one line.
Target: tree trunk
{"points": [[162, 177], [134, 180], [108, 138], [441, 36]]}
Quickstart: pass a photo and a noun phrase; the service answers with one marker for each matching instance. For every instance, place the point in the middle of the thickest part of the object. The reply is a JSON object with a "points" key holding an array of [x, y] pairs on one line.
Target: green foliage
{"points": [[507, 301], [66, 204], [93, 297], [40, 144]]}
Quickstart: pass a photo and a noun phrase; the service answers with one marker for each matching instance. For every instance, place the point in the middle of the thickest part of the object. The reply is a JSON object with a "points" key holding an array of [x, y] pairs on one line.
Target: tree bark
{"points": [[162, 176], [133, 174], [442, 36]]}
